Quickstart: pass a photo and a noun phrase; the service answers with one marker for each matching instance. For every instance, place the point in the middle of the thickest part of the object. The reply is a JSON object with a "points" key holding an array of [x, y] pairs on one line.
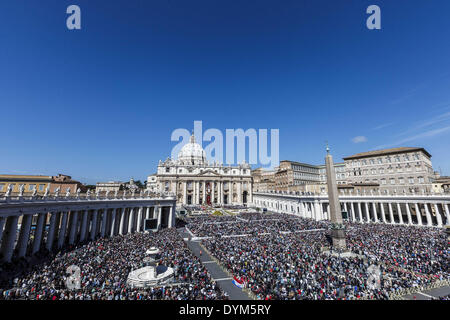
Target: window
{"points": [[31, 187], [380, 160], [401, 181], [167, 169], [411, 180], [392, 181], [2, 185], [381, 170], [383, 181], [421, 180]]}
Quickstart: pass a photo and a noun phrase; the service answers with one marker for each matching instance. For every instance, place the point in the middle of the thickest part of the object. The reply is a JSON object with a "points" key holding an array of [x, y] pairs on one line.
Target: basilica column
{"points": [[171, 211], [24, 235], [184, 192], [346, 210], [213, 189], [9, 238], [418, 213], [62, 229], [204, 191], [38, 232], [159, 213]]}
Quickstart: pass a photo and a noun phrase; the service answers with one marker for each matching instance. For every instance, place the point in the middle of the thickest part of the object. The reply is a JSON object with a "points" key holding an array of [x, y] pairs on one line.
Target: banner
{"points": [[238, 282]]}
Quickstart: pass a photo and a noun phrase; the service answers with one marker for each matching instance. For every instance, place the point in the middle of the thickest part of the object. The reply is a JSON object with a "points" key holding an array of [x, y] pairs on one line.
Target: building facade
{"points": [[341, 174], [28, 183], [196, 181], [110, 186], [397, 170]]}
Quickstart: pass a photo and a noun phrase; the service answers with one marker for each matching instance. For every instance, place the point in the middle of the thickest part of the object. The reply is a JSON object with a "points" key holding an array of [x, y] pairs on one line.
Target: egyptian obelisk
{"points": [[337, 227]]}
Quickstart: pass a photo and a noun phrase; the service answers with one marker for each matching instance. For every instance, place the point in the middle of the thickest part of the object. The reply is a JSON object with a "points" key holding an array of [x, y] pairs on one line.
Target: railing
{"points": [[32, 197], [399, 294]]}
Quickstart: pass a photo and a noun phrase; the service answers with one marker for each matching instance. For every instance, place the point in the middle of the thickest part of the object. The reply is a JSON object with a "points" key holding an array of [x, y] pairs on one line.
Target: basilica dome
{"points": [[192, 153]]}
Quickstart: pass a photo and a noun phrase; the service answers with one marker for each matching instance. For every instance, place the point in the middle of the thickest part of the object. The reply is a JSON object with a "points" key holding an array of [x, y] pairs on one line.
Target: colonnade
{"points": [[26, 227], [431, 210]]}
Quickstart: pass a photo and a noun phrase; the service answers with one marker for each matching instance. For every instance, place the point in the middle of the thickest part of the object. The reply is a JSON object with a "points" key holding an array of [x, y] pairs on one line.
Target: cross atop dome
{"points": [[192, 137]]}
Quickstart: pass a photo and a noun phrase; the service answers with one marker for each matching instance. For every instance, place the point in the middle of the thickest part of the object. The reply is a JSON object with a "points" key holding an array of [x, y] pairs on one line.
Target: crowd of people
{"points": [[249, 223], [105, 265], [292, 265], [275, 255]]}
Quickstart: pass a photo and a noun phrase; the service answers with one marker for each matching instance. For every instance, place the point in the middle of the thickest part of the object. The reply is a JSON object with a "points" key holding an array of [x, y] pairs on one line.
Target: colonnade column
{"points": [[62, 229], [93, 224], [375, 213], [51, 231], [427, 213], [447, 213], [383, 214], [105, 214], [9, 238], [73, 226], [24, 235], [360, 213], [131, 220], [400, 215], [139, 222], [408, 213], [352, 207], [366, 205], [83, 227], [418, 214], [438, 215], [38, 232], [391, 213], [2, 223]]}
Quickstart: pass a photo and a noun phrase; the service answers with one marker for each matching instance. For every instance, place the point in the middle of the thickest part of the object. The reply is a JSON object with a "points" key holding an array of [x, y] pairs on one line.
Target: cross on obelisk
{"points": [[337, 227]]}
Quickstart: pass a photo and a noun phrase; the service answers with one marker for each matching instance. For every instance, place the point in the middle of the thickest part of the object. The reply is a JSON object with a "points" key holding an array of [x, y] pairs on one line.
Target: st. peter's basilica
{"points": [[196, 181]]}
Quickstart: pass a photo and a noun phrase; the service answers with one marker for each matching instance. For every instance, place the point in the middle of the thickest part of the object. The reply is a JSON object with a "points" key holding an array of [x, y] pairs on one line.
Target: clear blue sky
{"points": [[101, 103]]}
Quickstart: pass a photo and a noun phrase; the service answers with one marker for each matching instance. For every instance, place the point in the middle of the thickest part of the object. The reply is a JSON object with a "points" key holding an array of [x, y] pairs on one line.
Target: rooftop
{"points": [[383, 152]]}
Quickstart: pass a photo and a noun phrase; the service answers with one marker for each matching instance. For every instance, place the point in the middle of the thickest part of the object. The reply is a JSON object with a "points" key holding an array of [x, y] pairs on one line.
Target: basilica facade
{"points": [[196, 181]]}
